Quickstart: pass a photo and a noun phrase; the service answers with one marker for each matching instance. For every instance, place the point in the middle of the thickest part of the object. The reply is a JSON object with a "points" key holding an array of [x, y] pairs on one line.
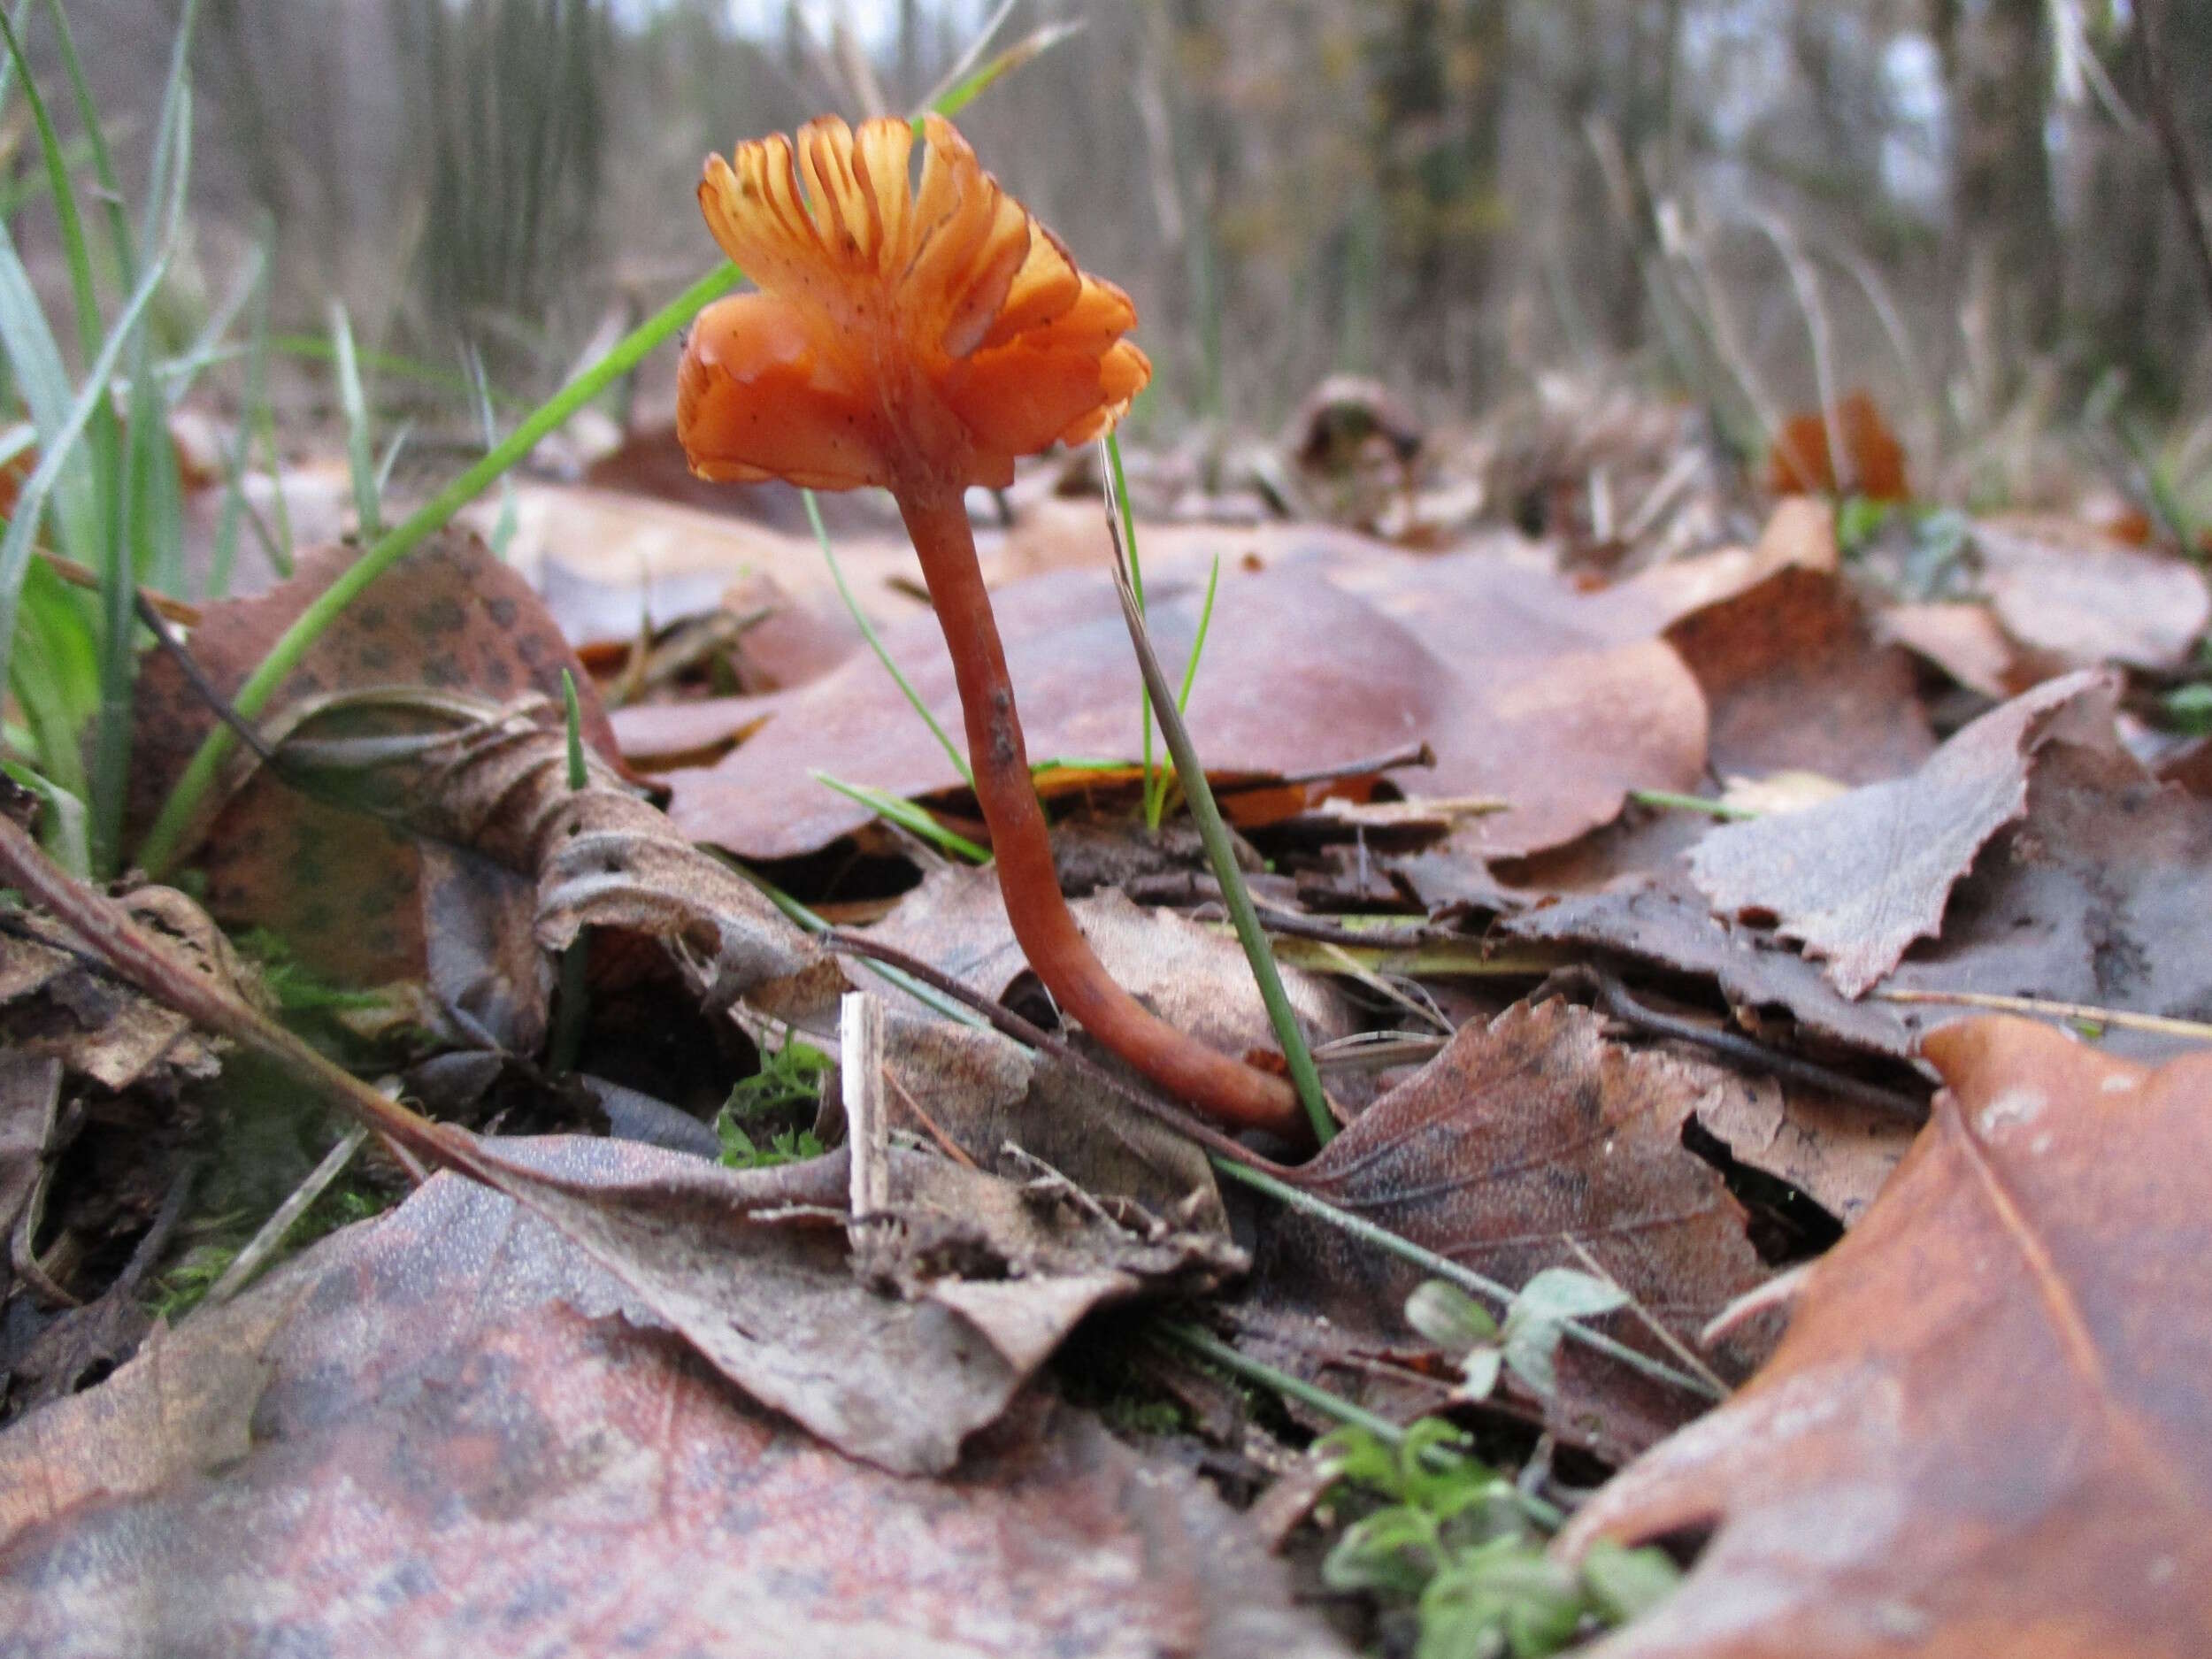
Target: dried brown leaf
{"points": [[1857, 879], [1297, 676], [1522, 1139], [1794, 680], [1986, 1429], [463, 1434], [2080, 598]]}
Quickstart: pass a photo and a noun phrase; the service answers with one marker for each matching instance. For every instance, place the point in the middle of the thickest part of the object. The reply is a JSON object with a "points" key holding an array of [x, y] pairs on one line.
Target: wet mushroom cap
{"points": [[903, 333]]}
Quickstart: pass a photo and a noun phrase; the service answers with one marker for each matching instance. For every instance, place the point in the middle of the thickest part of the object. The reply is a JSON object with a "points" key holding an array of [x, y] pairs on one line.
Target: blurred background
{"points": [[1961, 206]]}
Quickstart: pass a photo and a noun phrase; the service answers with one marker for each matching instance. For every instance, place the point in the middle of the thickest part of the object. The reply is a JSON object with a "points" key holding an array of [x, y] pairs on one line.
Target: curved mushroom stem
{"points": [[1222, 1087]]}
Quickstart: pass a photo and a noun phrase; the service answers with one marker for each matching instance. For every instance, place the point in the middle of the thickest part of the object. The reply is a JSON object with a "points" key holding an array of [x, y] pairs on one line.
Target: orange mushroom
{"points": [[920, 337]]}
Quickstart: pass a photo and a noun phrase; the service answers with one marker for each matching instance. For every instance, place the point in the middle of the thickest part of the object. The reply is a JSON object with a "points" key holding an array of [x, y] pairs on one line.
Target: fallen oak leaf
{"points": [[670, 1228], [1986, 1430], [1522, 1140]]}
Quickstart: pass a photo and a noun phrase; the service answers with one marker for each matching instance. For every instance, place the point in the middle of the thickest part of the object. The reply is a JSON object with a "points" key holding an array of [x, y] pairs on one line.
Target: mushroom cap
{"points": [[902, 332]]}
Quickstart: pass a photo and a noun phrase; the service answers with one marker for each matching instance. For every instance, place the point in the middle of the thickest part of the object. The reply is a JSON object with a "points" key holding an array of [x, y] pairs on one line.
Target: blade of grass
{"points": [[30, 507], [928, 995], [1222, 854], [388, 363], [896, 809], [1136, 581], [1156, 809], [61, 826], [164, 843], [172, 131], [145, 537], [503, 533], [44, 380], [1454, 1272], [389, 459], [360, 455], [54, 674], [951, 99], [82, 289], [1238, 1363], [237, 459], [178, 374], [875, 644], [964, 67], [1671, 801], [95, 142]]}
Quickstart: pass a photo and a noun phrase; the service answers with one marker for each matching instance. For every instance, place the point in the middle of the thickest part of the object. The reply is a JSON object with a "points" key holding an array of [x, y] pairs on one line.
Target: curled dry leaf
{"points": [[1986, 1431], [1857, 879], [490, 1435], [1521, 1141], [342, 889]]}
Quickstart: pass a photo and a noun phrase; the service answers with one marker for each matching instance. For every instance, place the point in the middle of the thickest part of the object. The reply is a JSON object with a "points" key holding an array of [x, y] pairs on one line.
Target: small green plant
{"points": [[187, 1282], [1458, 1549], [741, 1151], [789, 1079], [1527, 1344], [298, 989], [2189, 709]]}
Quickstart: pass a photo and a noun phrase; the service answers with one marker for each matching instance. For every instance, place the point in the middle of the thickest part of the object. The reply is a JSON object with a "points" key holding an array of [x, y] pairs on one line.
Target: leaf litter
{"points": [[419, 827]]}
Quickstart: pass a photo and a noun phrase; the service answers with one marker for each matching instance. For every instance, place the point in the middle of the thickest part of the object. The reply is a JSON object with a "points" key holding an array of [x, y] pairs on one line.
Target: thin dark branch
{"points": [[1613, 997], [157, 625]]}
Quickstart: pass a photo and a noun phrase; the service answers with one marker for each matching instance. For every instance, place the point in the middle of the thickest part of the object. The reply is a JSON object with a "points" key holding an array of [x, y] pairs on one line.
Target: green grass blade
{"points": [[1198, 645], [172, 133], [896, 809], [54, 674], [34, 356], [391, 364], [30, 507], [163, 842], [1156, 803], [94, 143], [145, 532], [238, 457], [567, 1041], [131, 549], [964, 91], [1152, 781], [62, 827], [503, 533], [1221, 853], [359, 453], [210, 345], [868, 632], [82, 287], [389, 459]]}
